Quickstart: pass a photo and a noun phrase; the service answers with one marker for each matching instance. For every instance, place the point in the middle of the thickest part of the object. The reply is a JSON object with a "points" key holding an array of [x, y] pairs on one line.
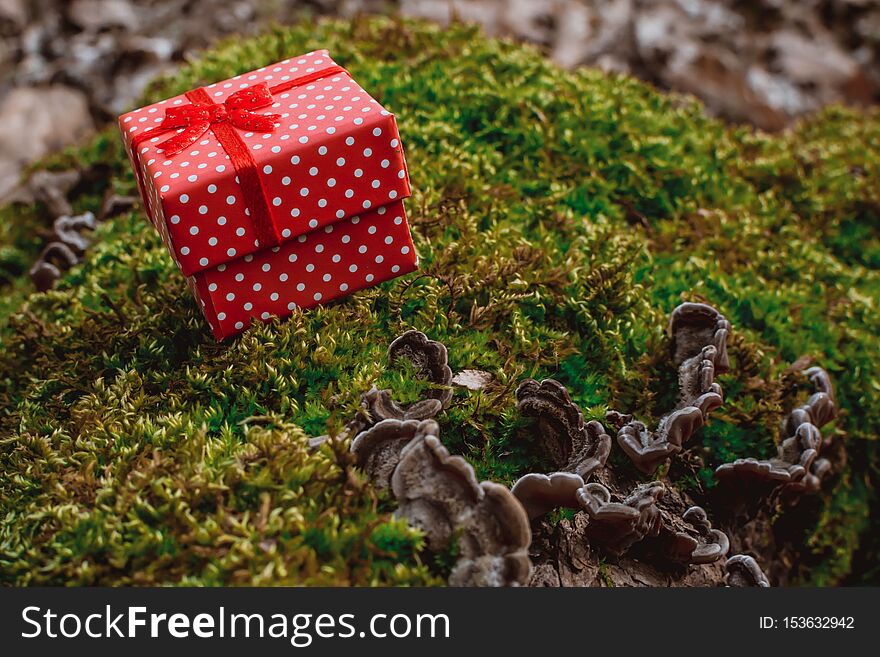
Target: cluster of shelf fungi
{"points": [[71, 233], [624, 530]]}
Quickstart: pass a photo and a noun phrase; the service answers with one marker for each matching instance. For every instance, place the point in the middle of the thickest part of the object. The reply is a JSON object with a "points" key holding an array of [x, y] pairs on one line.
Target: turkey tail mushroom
{"points": [[430, 359], [439, 494], [699, 348], [742, 570], [377, 449], [68, 229], [540, 493], [616, 526], [55, 258], [797, 466], [572, 445]]}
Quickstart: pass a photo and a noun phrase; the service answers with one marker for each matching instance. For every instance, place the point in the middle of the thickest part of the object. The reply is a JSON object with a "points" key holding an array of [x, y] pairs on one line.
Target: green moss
{"points": [[559, 218]]}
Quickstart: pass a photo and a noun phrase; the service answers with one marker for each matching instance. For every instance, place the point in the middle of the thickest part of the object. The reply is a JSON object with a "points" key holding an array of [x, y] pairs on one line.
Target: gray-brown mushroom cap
{"points": [[439, 494], [428, 357], [570, 444], [378, 405], [743, 570], [642, 447], [540, 493], [618, 525], [692, 326], [378, 449], [68, 229], [712, 544], [47, 269]]}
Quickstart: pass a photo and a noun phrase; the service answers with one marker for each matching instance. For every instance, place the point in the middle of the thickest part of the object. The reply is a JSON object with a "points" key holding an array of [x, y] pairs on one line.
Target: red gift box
{"points": [[275, 189]]}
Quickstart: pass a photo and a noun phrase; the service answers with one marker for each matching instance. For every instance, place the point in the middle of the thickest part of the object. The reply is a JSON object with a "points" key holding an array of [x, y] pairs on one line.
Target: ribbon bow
{"points": [[197, 118]]}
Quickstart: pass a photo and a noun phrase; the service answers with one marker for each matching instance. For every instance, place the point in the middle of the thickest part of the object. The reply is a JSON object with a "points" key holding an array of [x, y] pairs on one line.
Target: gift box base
{"points": [[328, 263]]}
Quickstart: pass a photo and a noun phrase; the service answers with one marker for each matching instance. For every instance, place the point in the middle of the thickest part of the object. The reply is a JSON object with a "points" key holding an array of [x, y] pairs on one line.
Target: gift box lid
{"points": [[333, 151]]}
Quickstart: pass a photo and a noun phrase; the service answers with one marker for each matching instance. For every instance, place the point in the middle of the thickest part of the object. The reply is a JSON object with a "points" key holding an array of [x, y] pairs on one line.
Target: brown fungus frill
{"points": [[64, 252], [54, 259], [797, 467], [49, 188], [68, 229], [572, 445], [689, 538], [742, 571], [439, 494], [699, 349], [377, 450], [540, 493], [616, 526], [430, 360]]}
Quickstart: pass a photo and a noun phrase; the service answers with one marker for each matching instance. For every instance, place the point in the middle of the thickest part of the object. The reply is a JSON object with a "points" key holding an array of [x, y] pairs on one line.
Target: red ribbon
{"points": [[224, 120]]}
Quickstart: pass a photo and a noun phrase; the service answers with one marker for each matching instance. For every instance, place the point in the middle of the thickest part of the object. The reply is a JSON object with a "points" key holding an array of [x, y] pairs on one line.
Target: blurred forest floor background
{"points": [[69, 66]]}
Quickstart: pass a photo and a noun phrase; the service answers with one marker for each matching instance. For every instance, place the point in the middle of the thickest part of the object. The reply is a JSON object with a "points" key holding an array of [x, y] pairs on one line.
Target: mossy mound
{"points": [[559, 218]]}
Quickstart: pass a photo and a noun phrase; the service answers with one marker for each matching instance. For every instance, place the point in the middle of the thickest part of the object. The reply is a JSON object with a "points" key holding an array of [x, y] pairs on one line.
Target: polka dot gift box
{"points": [[276, 189]]}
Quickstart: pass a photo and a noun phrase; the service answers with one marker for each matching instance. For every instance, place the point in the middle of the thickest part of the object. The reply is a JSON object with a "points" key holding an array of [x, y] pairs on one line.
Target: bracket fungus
{"points": [[712, 544], [572, 445], [55, 258], [742, 570], [116, 204], [379, 405], [439, 494], [690, 538], [616, 526], [699, 350], [68, 229], [540, 493], [49, 188], [692, 326], [797, 466], [430, 359], [378, 448]]}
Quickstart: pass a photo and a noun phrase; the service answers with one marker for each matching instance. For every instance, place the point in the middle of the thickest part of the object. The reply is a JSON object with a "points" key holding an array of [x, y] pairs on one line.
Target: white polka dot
{"points": [[377, 132], [194, 230], [267, 169], [304, 191], [203, 209], [230, 252], [184, 198], [230, 199], [276, 201], [317, 296], [212, 188]]}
